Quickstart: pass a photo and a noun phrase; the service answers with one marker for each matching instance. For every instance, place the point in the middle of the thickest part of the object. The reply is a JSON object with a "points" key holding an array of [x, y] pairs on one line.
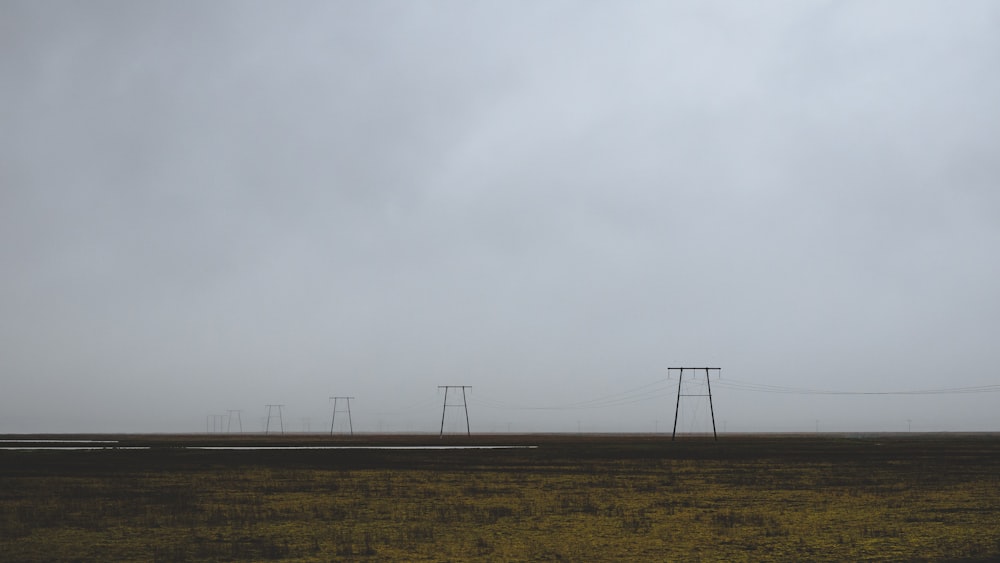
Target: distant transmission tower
{"points": [[213, 423], [229, 420], [677, 408], [267, 425], [334, 418], [464, 404]]}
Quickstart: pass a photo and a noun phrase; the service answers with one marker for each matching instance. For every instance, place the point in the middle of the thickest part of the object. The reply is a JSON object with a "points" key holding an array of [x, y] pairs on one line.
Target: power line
{"points": [[410, 407], [654, 390], [766, 388]]}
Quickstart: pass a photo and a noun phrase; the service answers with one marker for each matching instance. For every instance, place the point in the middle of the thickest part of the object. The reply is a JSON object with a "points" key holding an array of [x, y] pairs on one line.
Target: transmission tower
{"points": [[229, 420], [677, 408], [281, 422], [213, 423], [464, 404], [350, 423]]}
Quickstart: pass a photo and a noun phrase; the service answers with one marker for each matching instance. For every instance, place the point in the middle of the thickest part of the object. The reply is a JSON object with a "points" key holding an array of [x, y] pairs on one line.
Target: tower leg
{"points": [[468, 429], [711, 409], [350, 423], [444, 406], [677, 407], [334, 417]]}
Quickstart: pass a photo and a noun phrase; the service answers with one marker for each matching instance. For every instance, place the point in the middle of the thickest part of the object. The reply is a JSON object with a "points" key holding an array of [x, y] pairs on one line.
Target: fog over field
{"points": [[218, 205]]}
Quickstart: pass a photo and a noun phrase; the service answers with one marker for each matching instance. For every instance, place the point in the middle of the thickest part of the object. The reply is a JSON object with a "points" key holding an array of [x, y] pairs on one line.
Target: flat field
{"points": [[905, 497]]}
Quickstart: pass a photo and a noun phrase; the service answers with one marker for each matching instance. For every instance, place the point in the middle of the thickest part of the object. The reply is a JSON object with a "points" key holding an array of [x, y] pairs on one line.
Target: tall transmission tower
{"points": [[267, 425], [350, 423], [464, 404], [229, 420], [677, 408]]}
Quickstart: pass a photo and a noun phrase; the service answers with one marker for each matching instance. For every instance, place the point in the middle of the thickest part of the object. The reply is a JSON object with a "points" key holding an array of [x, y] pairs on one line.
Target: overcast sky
{"points": [[210, 205]]}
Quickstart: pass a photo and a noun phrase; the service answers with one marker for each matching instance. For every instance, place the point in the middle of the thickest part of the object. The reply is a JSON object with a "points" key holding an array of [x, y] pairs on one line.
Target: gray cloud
{"points": [[212, 206]]}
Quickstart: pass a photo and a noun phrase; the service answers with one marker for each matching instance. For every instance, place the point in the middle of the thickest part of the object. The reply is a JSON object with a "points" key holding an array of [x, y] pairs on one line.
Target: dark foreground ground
{"points": [[904, 497]]}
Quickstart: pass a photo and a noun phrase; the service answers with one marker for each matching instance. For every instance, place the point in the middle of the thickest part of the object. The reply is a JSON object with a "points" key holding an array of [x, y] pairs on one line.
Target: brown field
{"points": [[903, 497]]}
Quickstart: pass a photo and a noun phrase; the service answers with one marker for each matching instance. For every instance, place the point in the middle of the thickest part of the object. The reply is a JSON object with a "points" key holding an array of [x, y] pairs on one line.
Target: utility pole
{"points": [[464, 404], [334, 418], [267, 425], [677, 408]]}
